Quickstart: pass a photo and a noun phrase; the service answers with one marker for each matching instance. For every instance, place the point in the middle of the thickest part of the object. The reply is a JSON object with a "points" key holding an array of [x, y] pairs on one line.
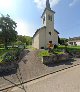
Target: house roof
{"points": [[38, 30], [74, 38], [56, 31], [48, 4], [45, 10], [47, 7], [42, 28]]}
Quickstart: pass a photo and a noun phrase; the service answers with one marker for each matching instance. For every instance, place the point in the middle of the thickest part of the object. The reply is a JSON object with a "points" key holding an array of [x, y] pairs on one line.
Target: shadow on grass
{"points": [[67, 62]]}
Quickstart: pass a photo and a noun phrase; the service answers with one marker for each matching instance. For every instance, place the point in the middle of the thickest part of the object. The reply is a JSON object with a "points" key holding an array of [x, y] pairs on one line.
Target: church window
{"points": [[43, 20], [48, 17], [50, 33], [51, 18], [50, 41]]}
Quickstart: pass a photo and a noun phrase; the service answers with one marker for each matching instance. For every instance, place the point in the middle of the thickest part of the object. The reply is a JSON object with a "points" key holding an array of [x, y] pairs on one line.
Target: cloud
{"points": [[42, 3], [25, 28], [6, 4], [73, 2]]}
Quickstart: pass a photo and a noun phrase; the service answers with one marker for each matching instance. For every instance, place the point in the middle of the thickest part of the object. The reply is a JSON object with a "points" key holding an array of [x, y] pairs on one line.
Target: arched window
{"points": [[50, 17], [43, 19], [49, 33]]}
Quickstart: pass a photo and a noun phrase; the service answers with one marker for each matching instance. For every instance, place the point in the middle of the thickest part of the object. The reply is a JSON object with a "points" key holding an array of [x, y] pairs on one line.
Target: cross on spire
{"points": [[48, 4]]}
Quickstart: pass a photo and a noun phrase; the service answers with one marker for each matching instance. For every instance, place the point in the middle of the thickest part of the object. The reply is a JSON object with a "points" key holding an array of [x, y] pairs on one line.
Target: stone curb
{"points": [[18, 84]]}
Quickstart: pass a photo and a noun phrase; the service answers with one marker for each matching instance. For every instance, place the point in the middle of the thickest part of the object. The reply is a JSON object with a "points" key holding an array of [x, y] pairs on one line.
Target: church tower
{"points": [[48, 22], [46, 34], [48, 16]]}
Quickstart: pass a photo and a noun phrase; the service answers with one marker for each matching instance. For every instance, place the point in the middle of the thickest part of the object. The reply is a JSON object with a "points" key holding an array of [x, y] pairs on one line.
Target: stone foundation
{"points": [[55, 58]]}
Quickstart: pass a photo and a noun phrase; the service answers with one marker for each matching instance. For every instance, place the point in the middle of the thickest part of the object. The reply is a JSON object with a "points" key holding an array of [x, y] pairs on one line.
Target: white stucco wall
{"points": [[42, 38], [35, 41], [44, 24], [78, 43], [49, 23], [55, 36], [49, 27]]}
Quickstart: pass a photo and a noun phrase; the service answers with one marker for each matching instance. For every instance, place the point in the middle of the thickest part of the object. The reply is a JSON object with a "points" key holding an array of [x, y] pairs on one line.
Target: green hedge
{"points": [[11, 56]]}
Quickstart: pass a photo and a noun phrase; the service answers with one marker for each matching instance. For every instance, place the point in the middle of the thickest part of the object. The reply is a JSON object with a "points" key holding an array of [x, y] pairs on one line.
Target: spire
{"points": [[47, 4]]}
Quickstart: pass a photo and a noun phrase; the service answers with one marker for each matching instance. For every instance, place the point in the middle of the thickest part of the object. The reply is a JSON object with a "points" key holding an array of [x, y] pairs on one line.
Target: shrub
{"points": [[55, 46], [1, 45], [9, 56], [43, 53], [17, 53]]}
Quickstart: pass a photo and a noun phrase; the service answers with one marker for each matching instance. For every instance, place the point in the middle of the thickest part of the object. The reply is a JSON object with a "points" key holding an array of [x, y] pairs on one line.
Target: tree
{"points": [[7, 30], [59, 41], [62, 41], [25, 39], [21, 38], [28, 40]]}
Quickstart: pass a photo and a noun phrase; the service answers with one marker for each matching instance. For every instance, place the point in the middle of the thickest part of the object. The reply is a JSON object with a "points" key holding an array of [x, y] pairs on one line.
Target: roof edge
{"points": [[45, 10], [56, 31], [38, 31]]}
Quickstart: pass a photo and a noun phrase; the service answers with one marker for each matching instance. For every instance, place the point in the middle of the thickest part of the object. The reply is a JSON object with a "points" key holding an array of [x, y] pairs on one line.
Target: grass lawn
{"points": [[44, 53], [30, 47], [59, 50], [70, 48]]}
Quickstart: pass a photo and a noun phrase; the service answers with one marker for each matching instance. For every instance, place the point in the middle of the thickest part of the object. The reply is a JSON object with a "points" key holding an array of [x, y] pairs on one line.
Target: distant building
{"points": [[46, 34], [74, 41]]}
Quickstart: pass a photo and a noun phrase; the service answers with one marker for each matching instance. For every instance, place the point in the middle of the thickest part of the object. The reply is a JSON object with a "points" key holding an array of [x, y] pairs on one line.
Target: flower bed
{"points": [[55, 58]]}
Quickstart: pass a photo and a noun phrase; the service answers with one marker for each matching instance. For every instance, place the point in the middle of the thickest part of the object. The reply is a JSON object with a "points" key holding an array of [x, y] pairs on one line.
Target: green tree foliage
{"points": [[28, 40], [7, 30], [59, 40], [62, 41], [25, 39]]}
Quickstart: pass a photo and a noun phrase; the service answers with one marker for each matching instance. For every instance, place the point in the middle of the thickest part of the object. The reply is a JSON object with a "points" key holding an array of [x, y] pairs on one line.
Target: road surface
{"points": [[64, 81]]}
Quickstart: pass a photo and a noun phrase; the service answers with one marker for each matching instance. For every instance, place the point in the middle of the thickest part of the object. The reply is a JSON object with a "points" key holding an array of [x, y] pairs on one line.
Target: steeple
{"points": [[48, 5]]}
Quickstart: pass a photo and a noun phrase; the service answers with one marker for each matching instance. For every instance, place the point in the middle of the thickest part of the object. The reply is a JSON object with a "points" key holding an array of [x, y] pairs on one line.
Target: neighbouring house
{"points": [[46, 34], [74, 41]]}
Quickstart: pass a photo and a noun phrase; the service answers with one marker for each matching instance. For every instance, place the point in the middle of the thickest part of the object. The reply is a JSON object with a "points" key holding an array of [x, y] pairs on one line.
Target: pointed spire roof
{"points": [[48, 4], [47, 7]]}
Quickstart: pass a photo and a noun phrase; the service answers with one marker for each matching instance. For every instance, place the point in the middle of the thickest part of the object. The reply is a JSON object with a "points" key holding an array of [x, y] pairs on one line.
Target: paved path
{"points": [[31, 67], [63, 81]]}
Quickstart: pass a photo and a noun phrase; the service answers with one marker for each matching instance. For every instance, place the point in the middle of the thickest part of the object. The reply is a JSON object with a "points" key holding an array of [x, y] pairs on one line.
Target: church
{"points": [[47, 33]]}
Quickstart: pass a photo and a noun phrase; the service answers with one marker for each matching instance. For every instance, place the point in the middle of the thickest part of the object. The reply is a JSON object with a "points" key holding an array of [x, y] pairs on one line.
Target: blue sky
{"points": [[27, 14]]}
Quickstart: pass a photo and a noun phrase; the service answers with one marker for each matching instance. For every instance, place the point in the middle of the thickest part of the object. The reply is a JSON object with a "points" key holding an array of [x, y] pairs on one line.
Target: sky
{"points": [[27, 15]]}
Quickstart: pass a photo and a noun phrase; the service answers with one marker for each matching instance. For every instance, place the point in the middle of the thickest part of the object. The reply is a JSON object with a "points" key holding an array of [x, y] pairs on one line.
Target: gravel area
{"points": [[31, 67]]}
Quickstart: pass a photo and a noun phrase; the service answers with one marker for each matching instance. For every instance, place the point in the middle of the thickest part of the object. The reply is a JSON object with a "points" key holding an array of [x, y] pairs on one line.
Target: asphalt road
{"points": [[64, 81]]}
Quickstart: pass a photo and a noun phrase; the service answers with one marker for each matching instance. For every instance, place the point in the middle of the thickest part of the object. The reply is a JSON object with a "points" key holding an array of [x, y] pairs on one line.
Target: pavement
{"points": [[31, 68], [64, 81]]}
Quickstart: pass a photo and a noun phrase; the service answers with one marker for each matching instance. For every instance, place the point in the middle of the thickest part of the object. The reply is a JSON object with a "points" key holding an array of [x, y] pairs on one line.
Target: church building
{"points": [[46, 34]]}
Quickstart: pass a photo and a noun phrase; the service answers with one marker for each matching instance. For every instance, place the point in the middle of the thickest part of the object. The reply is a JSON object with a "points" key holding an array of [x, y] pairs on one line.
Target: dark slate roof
{"points": [[45, 10], [74, 38], [47, 4], [42, 28], [56, 31]]}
